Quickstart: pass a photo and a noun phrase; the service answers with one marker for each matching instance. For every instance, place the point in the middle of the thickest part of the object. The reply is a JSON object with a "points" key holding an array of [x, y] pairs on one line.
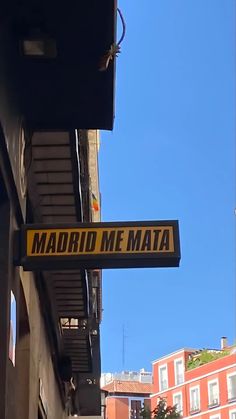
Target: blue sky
{"points": [[171, 155]]}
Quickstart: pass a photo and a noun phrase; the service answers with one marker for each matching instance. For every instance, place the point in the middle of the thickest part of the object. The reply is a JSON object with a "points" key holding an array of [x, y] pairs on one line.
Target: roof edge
{"points": [[174, 353]]}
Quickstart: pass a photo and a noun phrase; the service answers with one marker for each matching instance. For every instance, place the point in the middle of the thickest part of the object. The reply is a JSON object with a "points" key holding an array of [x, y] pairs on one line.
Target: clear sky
{"points": [[172, 156]]}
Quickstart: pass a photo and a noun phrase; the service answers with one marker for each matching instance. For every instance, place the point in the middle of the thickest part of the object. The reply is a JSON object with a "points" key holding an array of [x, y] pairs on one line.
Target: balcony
{"points": [[213, 403], [194, 409], [232, 398]]}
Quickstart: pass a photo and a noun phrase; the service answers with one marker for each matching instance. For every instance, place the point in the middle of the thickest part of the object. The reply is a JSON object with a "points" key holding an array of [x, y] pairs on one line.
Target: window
{"points": [[215, 416], [135, 409], [179, 371], [194, 399], [231, 385], [178, 401], [213, 393], [232, 414], [163, 378]]}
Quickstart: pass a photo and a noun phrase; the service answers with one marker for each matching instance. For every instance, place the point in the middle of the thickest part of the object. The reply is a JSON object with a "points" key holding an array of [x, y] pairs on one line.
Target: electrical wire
{"points": [[115, 48], [123, 26]]}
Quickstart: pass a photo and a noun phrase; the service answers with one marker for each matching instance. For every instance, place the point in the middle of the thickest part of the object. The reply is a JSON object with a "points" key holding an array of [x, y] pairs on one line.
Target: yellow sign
{"points": [[100, 245], [84, 241]]}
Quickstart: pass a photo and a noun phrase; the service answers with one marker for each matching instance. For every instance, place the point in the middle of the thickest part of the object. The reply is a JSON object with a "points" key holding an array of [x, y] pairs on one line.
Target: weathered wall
{"points": [[20, 383]]}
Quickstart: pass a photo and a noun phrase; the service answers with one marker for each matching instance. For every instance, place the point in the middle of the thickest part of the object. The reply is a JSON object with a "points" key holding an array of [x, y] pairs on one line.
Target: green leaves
{"points": [[204, 357], [145, 413], [161, 411]]}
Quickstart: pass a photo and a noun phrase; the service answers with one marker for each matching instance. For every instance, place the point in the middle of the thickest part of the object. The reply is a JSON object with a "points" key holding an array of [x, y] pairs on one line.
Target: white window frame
{"points": [[160, 367], [217, 416], [228, 377], [179, 393], [231, 413], [137, 399], [199, 398], [211, 402], [175, 362]]}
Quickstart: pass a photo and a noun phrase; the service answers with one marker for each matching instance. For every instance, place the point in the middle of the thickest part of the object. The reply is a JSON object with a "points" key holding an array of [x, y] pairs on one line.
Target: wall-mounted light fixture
{"points": [[39, 47]]}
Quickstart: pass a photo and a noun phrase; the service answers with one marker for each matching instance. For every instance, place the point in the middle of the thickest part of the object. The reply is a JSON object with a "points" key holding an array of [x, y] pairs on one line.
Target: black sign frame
{"points": [[99, 261]]}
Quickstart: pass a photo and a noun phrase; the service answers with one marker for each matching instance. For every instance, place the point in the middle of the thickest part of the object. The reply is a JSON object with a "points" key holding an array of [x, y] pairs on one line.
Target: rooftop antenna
{"points": [[123, 347]]}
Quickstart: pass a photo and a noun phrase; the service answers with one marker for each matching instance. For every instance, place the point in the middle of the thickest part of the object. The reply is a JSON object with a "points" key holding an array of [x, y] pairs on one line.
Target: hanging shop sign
{"points": [[100, 245]]}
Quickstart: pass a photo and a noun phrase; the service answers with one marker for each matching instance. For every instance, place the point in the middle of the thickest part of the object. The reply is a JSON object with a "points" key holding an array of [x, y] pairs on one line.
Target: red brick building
{"points": [[202, 383], [125, 398]]}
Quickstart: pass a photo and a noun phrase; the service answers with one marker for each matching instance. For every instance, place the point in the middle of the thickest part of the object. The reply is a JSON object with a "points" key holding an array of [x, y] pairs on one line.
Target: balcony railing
{"points": [[194, 409], [213, 403]]}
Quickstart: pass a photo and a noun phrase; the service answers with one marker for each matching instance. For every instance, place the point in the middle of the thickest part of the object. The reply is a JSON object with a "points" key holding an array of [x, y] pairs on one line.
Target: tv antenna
{"points": [[124, 336]]}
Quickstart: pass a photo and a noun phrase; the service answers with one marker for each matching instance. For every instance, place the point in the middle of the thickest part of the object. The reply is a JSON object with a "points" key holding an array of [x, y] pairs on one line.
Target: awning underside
{"points": [[53, 184]]}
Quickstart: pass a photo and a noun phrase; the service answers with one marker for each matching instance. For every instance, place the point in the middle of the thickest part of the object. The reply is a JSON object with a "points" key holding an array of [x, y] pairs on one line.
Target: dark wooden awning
{"points": [[54, 168], [54, 53], [54, 185], [69, 296]]}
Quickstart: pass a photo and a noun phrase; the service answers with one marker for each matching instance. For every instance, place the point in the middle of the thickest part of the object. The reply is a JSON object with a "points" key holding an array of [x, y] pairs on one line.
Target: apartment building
{"points": [[126, 394], [53, 101], [202, 383]]}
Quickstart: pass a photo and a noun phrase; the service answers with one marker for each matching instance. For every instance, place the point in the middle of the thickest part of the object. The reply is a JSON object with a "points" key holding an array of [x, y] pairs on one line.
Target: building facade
{"points": [[53, 101], [202, 383], [50, 357], [126, 394]]}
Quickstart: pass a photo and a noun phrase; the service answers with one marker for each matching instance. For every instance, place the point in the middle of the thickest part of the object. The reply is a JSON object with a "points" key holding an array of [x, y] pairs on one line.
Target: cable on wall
{"points": [[115, 48]]}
